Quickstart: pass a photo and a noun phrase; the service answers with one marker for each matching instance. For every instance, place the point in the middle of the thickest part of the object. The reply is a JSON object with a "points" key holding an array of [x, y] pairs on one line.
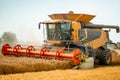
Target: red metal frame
{"points": [[30, 50]]}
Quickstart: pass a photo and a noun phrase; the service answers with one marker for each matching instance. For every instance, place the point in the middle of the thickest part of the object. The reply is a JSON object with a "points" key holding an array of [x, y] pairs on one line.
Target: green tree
{"points": [[9, 37]]}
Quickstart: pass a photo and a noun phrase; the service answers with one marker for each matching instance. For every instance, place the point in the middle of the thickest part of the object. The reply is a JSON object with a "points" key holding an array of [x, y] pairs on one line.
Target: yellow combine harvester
{"points": [[74, 36]]}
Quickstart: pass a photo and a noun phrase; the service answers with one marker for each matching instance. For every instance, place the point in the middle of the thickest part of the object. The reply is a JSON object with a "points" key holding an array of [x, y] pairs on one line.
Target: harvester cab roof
{"points": [[72, 17]]}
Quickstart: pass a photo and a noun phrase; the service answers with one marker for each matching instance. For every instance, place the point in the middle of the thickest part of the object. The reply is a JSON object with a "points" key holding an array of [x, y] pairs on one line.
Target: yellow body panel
{"points": [[100, 41], [75, 26], [53, 41]]}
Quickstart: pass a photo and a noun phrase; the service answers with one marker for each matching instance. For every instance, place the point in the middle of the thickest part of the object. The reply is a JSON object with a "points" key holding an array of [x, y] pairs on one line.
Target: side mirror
{"points": [[117, 29], [39, 25]]}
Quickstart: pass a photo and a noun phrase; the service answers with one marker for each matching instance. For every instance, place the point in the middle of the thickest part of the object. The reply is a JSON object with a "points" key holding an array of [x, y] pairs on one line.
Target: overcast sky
{"points": [[22, 16]]}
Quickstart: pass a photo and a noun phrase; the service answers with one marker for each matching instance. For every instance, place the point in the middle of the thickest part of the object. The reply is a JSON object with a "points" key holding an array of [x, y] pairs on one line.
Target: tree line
{"points": [[8, 37]]}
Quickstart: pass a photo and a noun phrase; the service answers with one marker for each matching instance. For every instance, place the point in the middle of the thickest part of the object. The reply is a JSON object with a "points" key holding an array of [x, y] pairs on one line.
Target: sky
{"points": [[22, 16]]}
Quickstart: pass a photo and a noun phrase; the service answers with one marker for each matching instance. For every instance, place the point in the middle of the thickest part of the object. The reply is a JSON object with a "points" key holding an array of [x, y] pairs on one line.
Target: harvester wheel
{"points": [[15, 49], [105, 57], [29, 48], [4, 47], [59, 51], [43, 50]]}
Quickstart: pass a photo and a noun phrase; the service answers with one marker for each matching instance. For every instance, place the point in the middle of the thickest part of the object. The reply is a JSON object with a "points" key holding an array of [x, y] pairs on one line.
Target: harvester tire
{"points": [[105, 57]]}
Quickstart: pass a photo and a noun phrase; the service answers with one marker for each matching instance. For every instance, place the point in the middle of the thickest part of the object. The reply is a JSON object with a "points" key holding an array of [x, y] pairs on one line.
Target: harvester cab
{"points": [[64, 28], [72, 36], [74, 29]]}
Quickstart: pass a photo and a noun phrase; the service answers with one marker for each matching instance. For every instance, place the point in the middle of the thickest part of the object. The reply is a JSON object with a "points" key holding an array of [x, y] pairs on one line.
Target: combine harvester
{"points": [[70, 36]]}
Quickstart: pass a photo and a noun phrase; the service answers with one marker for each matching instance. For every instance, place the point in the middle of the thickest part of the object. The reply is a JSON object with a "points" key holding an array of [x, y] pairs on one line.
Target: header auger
{"points": [[75, 37], [60, 53]]}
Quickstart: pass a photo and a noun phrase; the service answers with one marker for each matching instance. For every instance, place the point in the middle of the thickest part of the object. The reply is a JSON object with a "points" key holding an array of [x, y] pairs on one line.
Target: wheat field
{"points": [[100, 73], [37, 69], [10, 65]]}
